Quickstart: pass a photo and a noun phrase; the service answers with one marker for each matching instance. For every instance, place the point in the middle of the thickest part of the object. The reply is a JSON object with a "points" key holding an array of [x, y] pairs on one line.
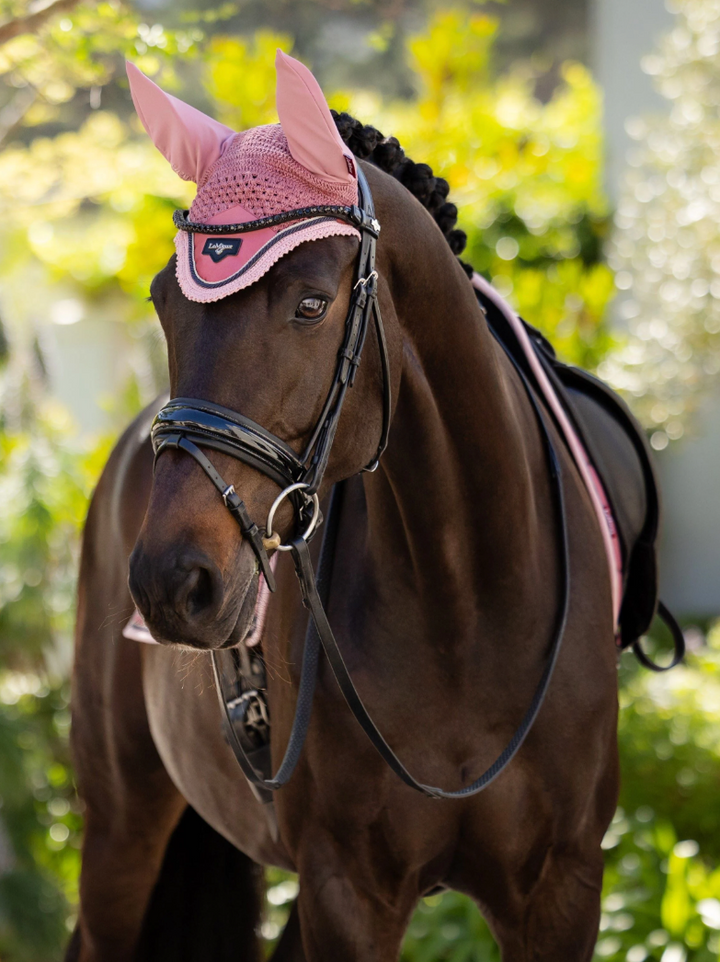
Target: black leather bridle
{"points": [[189, 424]]}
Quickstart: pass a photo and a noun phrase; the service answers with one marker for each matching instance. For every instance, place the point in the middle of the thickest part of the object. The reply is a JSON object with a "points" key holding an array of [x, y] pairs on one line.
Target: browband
{"points": [[355, 216]]}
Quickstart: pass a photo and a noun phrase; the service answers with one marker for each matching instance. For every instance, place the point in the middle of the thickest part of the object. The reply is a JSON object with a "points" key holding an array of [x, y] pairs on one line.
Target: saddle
{"points": [[620, 454]]}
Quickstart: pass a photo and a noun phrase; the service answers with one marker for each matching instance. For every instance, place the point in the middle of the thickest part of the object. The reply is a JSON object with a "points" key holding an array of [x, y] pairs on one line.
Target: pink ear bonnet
{"points": [[300, 162]]}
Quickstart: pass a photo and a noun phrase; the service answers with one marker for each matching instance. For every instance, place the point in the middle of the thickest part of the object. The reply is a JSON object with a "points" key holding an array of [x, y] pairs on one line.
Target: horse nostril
{"points": [[176, 591], [137, 576], [198, 592]]}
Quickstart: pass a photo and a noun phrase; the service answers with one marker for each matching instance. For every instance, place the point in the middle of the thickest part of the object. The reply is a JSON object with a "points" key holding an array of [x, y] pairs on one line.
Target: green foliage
{"points": [[670, 743], [452, 57], [44, 495], [526, 176], [84, 49], [448, 928], [100, 210], [43, 486], [41, 820], [241, 77]]}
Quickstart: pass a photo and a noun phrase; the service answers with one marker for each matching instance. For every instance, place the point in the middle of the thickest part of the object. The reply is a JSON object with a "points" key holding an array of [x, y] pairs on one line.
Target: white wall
{"points": [[622, 32], [89, 362], [690, 473]]}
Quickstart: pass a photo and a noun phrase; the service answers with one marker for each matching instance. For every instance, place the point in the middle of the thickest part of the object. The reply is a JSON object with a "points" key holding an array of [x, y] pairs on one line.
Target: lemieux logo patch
{"points": [[219, 247]]}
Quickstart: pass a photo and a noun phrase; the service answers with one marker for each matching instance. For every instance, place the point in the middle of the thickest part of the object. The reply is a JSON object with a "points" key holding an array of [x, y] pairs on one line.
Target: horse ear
{"points": [[306, 120], [187, 138]]}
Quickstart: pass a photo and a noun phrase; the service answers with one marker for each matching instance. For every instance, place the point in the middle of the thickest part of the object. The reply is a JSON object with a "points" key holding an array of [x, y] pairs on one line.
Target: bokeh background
{"points": [[581, 140]]}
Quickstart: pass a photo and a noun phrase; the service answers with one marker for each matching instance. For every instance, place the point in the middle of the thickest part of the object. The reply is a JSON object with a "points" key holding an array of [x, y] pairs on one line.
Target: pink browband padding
{"points": [[588, 474]]}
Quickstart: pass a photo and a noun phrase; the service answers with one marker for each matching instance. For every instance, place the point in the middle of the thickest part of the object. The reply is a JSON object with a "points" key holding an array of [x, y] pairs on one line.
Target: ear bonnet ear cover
{"points": [[300, 162], [307, 123], [188, 139]]}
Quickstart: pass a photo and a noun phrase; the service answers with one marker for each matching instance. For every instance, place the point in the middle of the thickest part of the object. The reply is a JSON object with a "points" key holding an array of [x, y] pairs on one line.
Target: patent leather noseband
{"points": [[189, 424]]}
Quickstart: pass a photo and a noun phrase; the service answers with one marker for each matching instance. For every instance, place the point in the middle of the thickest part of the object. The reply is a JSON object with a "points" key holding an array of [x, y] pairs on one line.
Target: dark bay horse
{"points": [[444, 598]]}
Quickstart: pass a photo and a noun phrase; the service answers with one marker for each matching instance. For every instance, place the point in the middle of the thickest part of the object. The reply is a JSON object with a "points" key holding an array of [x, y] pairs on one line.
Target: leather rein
{"points": [[189, 424]]}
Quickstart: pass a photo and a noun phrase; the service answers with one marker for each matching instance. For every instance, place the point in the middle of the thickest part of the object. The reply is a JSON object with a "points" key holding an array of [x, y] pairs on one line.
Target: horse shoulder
{"points": [[109, 718]]}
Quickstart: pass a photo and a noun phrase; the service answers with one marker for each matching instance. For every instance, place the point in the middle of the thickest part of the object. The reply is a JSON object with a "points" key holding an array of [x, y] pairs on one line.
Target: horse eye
{"points": [[311, 308]]}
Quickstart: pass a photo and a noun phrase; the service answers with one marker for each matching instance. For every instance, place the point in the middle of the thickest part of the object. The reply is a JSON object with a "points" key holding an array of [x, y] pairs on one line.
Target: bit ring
{"points": [[312, 524]]}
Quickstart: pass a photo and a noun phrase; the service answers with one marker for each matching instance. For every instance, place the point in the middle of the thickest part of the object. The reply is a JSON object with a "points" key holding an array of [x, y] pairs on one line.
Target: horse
{"points": [[444, 597]]}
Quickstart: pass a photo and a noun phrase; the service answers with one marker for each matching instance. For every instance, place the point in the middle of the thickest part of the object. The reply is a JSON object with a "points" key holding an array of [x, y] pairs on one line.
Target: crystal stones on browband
{"points": [[352, 215]]}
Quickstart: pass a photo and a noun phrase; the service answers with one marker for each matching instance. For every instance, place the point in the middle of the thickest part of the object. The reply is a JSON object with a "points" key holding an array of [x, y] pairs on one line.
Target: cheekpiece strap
{"points": [[187, 423], [363, 305]]}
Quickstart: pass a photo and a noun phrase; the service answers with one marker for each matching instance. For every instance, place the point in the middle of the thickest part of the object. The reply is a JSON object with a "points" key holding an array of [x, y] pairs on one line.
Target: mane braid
{"points": [[368, 143]]}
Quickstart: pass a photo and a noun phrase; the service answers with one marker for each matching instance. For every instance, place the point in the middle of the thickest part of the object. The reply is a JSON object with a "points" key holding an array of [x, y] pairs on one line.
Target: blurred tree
{"points": [[40, 827], [526, 175], [66, 56], [44, 484], [667, 242]]}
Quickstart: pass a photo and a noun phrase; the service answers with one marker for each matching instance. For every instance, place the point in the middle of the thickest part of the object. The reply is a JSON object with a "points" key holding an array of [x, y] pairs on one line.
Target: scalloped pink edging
{"points": [[205, 295]]}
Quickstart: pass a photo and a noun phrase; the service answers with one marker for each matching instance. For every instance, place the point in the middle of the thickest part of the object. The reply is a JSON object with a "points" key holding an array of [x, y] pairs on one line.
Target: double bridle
{"points": [[188, 424]]}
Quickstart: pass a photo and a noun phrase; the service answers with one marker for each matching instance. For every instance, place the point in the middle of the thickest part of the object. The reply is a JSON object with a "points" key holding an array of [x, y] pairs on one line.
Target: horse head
{"points": [[254, 323]]}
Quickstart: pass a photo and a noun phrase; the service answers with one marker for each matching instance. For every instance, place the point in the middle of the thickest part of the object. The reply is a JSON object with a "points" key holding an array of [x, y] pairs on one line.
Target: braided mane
{"points": [[368, 143]]}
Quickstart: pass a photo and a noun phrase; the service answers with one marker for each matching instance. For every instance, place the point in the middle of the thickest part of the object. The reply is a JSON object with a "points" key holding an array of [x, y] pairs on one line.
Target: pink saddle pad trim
{"points": [[594, 486]]}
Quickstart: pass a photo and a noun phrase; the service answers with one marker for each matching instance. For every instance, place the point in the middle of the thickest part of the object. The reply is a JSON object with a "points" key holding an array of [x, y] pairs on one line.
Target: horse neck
{"points": [[454, 505]]}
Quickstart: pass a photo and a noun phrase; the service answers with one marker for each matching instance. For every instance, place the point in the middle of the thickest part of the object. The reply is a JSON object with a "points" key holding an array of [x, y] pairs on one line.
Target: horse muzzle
{"points": [[186, 600]]}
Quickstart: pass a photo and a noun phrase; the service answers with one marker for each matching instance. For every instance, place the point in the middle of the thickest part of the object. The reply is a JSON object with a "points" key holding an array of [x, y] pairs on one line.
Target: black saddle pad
{"points": [[620, 453]]}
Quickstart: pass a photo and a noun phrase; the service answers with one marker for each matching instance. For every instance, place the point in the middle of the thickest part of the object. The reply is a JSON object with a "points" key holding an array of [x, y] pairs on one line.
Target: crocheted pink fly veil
{"points": [[300, 162]]}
